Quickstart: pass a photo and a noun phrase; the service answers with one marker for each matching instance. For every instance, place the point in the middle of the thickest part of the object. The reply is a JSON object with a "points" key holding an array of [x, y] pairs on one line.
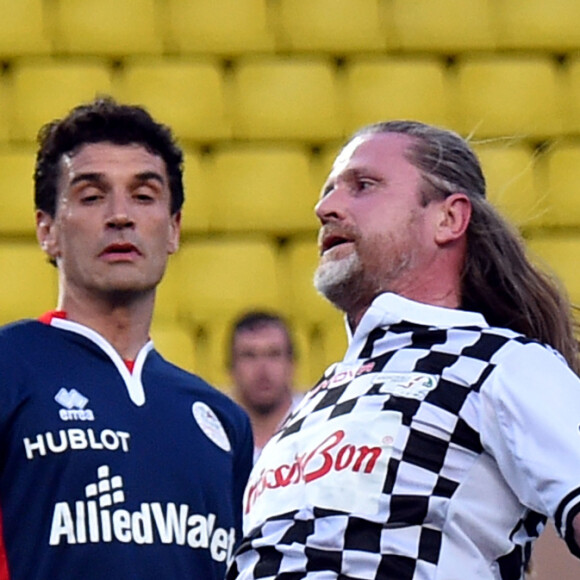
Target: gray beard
{"points": [[343, 283]]}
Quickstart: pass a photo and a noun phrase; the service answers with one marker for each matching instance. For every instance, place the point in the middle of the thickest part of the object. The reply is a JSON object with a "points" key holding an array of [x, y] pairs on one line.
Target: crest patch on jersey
{"points": [[210, 425], [411, 385]]}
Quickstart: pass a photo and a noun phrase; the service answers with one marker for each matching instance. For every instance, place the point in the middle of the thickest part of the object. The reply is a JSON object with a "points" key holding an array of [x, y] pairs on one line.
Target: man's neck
{"points": [[436, 291], [265, 425], [125, 325]]}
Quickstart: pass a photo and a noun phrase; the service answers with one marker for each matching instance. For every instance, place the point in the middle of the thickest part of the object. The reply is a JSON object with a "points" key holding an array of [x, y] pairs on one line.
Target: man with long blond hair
{"points": [[439, 446]]}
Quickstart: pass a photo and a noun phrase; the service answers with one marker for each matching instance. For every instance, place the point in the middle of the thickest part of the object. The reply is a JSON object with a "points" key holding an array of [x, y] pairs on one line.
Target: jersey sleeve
{"points": [[531, 426]]}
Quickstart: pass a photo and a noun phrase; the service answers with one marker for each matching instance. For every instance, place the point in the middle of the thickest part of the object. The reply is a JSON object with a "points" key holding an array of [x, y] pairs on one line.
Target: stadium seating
{"points": [[113, 28], [561, 165], [223, 27], [517, 96], [538, 25], [299, 262], [45, 89], [261, 188], [571, 95], [317, 348], [286, 99], [23, 28], [195, 213], [189, 95], [6, 112], [32, 286], [323, 161], [509, 170], [167, 302], [175, 344], [17, 192], [218, 279], [313, 316], [261, 94], [447, 26], [334, 343], [332, 26], [382, 88], [560, 252]]}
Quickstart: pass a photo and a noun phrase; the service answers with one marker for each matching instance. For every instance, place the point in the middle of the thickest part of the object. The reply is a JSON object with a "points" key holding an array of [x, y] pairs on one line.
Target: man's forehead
{"points": [[267, 332], [371, 147], [108, 154]]}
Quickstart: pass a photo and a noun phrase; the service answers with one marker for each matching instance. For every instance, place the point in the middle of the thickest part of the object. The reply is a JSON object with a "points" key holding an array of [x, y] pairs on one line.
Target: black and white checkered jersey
{"points": [[434, 451]]}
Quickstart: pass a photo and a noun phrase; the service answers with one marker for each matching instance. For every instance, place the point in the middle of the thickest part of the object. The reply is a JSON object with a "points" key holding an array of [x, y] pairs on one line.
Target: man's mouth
{"points": [[120, 250], [330, 241]]}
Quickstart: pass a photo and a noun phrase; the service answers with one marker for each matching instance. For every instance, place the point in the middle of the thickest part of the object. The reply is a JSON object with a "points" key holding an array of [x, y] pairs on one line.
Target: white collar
{"points": [[132, 380], [388, 308]]}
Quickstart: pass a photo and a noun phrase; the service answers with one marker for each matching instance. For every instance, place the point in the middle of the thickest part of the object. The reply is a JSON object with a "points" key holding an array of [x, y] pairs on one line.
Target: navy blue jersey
{"points": [[107, 473]]}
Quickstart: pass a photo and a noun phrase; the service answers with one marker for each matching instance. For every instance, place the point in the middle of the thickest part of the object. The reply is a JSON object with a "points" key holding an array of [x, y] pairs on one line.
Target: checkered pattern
{"points": [[438, 469]]}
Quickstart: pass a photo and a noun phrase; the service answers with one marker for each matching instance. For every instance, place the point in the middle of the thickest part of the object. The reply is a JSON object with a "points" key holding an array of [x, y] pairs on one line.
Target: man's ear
{"points": [[174, 233], [46, 234], [455, 213]]}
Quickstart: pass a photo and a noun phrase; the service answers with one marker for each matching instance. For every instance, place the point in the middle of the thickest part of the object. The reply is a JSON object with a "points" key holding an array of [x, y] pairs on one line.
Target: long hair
{"points": [[498, 279]]}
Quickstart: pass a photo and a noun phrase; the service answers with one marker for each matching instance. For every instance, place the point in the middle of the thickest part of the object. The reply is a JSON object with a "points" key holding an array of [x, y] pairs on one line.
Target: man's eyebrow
{"points": [[348, 174], [150, 175], [358, 171], [97, 177], [353, 172], [93, 177]]}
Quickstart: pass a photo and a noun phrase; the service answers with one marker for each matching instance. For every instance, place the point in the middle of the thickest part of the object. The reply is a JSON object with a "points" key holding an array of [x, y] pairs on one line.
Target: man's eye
{"points": [[362, 184], [145, 193], [326, 190], [91, 197], [144, 197]]}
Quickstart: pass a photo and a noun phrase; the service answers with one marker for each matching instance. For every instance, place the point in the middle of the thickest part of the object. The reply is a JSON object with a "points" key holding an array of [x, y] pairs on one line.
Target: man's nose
{"points": [[331, 206], [120, 213]]}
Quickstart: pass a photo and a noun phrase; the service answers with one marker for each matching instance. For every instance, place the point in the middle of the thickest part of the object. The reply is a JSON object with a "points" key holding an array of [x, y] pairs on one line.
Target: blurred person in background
{"points": [[114, 463], [449, 433], [262, 359]]}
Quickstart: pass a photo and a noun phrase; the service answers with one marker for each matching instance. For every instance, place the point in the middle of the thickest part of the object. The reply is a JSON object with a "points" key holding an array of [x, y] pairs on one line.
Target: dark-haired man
{"points": [[262, 363], [113, 462]]}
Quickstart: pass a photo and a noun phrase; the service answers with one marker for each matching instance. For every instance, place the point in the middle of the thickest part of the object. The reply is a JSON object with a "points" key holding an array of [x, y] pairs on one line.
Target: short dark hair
{"points": [[254, 320], [103, 120]]}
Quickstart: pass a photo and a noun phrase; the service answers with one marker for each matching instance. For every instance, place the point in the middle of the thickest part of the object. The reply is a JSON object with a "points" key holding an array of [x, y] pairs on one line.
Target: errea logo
{"points": [[73, 404]]}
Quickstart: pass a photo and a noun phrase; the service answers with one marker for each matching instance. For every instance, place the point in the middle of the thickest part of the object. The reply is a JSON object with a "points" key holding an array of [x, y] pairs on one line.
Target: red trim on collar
{"points": [[47, 318]]}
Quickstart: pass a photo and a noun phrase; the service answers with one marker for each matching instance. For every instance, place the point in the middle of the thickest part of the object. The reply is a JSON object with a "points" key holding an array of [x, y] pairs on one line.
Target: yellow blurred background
{"points": [[260, 94]]}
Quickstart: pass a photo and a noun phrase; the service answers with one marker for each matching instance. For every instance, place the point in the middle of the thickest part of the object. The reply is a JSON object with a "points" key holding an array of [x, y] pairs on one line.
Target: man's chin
{"points": [[333, 276], [265, 409]]}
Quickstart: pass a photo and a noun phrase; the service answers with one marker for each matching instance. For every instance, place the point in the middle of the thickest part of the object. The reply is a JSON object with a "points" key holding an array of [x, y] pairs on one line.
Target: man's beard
{"points": [[345, 283], [351, 284]]}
